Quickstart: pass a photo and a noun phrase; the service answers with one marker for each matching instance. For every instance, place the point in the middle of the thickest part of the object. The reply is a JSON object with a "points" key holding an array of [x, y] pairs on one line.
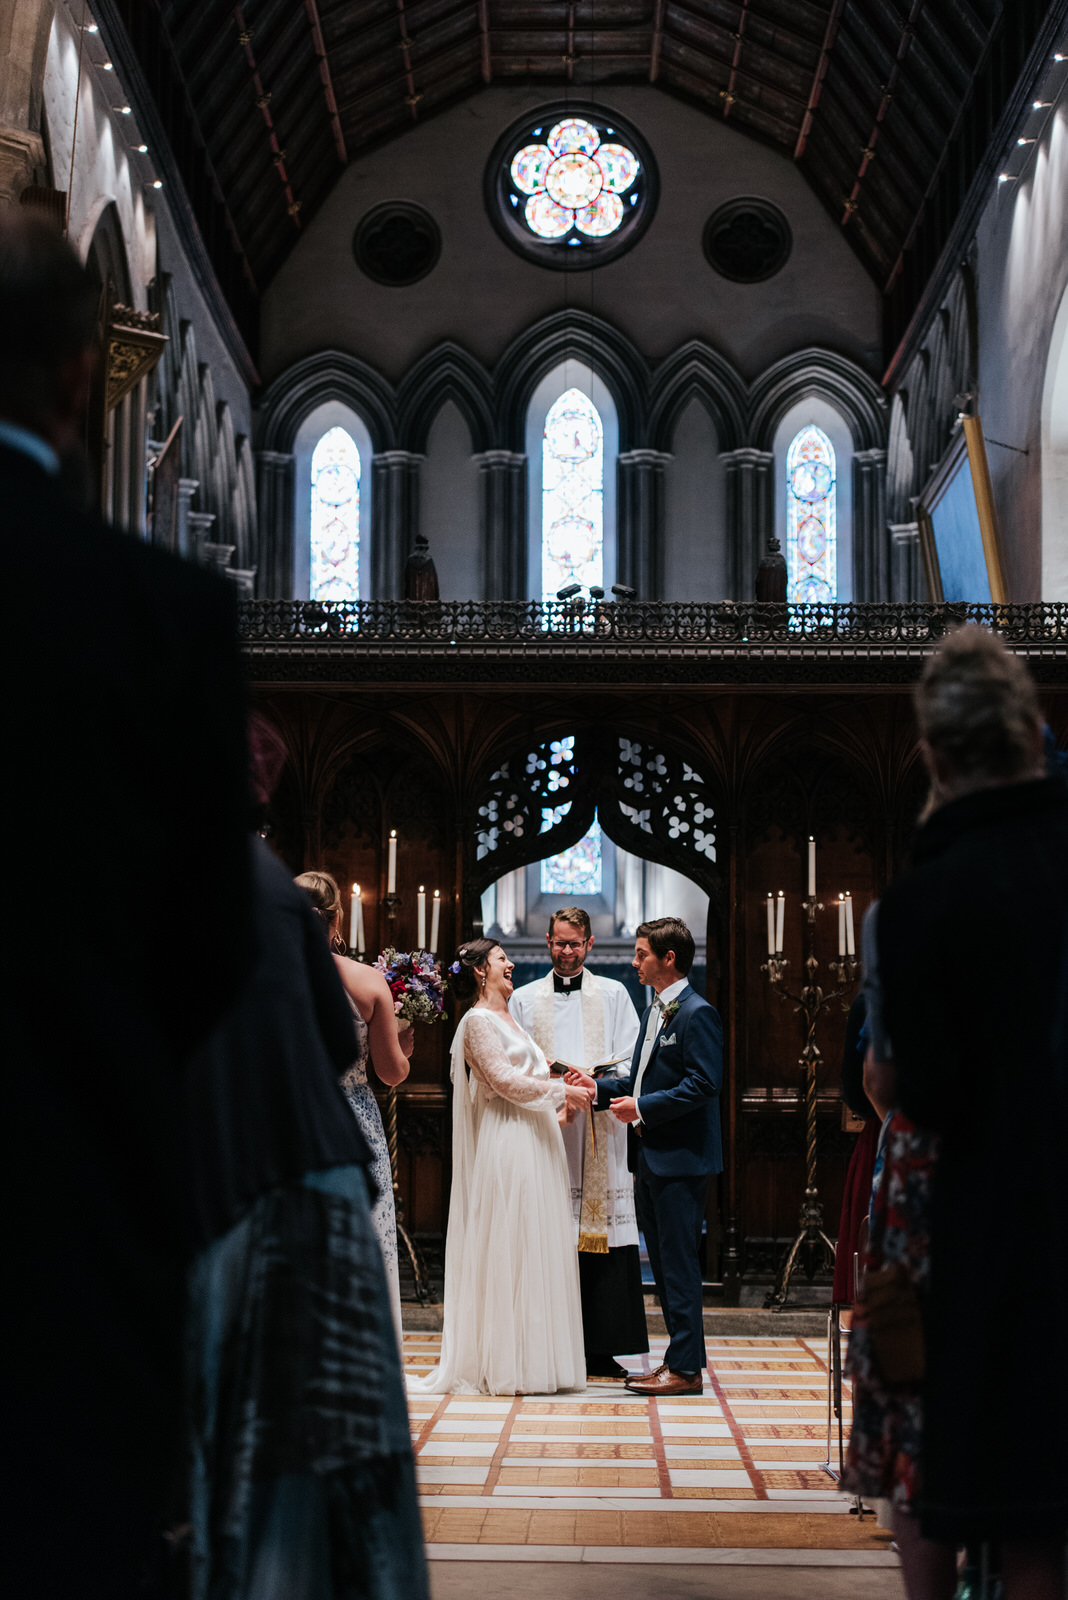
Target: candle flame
{"points": [[421, 889], [356, 888], [437, 894]]}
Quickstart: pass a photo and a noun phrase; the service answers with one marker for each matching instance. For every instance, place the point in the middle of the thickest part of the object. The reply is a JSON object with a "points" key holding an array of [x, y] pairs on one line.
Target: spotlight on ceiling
{"points": [[158, 183], [1041, 105], [142, 149], [1025, 141], [90, 27], [108, 67]]}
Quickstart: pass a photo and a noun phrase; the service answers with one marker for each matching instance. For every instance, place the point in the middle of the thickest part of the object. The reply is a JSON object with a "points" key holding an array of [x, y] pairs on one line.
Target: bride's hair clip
{"points": [[455, 968], [463, 953]]}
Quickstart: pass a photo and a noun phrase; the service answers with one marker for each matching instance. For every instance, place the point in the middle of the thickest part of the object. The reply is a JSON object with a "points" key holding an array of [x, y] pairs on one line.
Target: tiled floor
{"points": [[732, 1476]]}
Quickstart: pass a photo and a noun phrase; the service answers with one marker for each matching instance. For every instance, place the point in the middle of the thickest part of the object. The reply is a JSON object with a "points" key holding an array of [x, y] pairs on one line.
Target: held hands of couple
{"points": [[579, 1094], [625, 1109]]}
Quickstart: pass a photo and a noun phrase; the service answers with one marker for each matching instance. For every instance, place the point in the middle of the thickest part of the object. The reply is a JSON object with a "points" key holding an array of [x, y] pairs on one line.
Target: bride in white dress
{"points": [[513, 1317]]}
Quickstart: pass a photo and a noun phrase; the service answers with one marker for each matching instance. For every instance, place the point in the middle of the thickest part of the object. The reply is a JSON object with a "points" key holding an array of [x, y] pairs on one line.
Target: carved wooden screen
{"points": [[648, 799]]}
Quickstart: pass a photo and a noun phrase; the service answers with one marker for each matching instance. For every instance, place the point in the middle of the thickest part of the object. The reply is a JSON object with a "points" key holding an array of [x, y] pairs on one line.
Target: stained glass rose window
{"points": [[571, 188]]}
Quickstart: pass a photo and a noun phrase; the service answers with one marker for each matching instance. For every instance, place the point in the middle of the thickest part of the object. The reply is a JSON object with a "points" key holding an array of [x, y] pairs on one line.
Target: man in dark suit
{"points": [[670, 1099], [128, 921]]}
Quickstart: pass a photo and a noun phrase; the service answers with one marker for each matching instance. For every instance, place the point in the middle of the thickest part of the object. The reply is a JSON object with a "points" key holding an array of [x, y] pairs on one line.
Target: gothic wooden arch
{"points": [[650, 797], [445, 373], [696, 372], [848, 388]]}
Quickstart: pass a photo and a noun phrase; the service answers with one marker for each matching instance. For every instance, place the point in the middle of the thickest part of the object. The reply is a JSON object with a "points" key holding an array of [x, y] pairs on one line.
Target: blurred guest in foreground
{"points": [[128, 933], [970, 955], [303, 1482]]}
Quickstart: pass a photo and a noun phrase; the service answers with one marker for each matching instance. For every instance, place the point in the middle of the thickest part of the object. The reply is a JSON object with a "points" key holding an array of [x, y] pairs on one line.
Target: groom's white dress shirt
{"points": [[652, 1028]]}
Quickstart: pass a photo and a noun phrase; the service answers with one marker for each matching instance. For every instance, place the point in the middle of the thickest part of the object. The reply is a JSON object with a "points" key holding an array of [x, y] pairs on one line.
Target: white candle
{"points": [[356, 941], [851, 948], [435, 919], [391, 877], [420, 919], [841, 925], [780, 907], [771, 925], [811, 868]]}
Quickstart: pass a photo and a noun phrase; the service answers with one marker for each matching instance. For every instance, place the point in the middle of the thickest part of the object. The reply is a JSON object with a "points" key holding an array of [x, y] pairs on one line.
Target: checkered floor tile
{"points": [[735, 1473]]}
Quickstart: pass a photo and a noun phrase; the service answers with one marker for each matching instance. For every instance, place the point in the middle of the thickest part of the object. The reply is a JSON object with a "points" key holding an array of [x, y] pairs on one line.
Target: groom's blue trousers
{"points": [[670, 1214]]}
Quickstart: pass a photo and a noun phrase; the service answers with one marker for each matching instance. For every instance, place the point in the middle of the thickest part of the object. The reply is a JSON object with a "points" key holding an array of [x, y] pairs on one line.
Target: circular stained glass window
{"points": [[571, 187]]}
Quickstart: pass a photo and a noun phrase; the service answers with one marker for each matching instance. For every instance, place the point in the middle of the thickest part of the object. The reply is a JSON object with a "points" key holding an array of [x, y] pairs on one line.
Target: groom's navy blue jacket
{"points": [[679, 1102]]}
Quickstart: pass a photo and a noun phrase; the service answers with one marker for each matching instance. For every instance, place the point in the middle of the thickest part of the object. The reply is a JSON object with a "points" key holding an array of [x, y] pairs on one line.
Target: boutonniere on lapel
{"points": [[668, 1011]]}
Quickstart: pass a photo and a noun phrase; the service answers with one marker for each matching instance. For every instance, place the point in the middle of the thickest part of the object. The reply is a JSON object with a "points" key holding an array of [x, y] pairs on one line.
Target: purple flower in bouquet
{"points": [[415, 983]]}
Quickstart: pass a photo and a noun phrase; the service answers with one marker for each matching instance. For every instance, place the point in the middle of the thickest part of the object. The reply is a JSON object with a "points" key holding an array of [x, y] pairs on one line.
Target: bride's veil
{"points": [[465, 1120]]}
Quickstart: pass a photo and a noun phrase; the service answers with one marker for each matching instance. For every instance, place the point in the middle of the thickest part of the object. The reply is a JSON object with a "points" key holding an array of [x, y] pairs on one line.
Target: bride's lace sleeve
{"points": [[489, 1062]]}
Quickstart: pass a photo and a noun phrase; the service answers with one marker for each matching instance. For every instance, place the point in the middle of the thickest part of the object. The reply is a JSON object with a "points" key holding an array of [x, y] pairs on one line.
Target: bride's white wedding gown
{"points": [[513, 1317]]}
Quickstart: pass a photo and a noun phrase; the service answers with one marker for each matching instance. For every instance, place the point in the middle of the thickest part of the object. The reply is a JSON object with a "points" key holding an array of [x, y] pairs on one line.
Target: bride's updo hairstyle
{"points": [[461, 976], [325, 896]]}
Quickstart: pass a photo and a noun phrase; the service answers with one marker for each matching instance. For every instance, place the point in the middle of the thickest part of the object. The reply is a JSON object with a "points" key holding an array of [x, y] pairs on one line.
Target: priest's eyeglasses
{"points": [[569, 944]]}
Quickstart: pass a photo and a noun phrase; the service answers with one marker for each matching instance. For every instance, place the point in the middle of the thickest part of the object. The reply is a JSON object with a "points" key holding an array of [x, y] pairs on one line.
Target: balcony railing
{"points": [[367, 625]]}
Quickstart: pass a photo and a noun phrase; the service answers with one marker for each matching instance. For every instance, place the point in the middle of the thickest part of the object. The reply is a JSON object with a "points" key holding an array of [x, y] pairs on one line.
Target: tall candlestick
{"points": [[841, 925], [420, 919], [851, 948], [780, 911], [771, 924], [811, 868], [435, 919], [391, 877], [356, 939]]}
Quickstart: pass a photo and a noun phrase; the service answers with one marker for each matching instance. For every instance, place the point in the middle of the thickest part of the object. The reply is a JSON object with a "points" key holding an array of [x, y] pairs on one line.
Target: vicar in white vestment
{"points": [[580, 1018]]}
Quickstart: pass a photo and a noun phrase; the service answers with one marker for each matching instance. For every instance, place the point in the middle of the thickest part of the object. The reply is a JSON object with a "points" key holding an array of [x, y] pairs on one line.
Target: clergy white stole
{"points": [[593, 1213]]}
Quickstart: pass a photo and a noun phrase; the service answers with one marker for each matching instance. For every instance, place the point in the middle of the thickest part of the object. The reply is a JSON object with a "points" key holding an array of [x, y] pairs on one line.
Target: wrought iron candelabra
{"points": [[812, 1241]]}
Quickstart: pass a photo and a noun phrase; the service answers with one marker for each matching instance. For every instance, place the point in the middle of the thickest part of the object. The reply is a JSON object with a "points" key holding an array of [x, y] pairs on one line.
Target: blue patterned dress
{"points": [[361, 1098]]}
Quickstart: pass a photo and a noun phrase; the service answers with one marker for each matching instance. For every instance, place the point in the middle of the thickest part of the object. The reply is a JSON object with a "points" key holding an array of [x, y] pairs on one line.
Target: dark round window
{"points": [[397, 243], [747, 240], [571, 187]]}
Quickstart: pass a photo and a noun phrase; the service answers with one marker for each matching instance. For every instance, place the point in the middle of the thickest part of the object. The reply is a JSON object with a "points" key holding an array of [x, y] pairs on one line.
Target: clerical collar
{"points": [[567, 985]]}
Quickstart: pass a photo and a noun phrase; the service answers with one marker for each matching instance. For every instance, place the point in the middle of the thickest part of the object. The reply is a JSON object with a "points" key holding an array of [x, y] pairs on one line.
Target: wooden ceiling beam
{"points": [[657, 41], [263, 101], [324, 75], [485, 41], [867, 155], [834, 17]]}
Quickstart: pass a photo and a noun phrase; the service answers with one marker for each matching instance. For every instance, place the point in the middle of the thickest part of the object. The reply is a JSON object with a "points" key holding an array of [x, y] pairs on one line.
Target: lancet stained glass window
{"points": [[811, 541], [572, 494], [335, 518], [577, 870]]}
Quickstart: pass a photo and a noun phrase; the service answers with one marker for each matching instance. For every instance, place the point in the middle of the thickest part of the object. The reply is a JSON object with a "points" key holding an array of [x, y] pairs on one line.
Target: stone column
{"points": [[217, 556], [871, 542], [502, 482], [274, 512], [20, 153], [640, 521], [750, 516], [394, 520], [908, 580], [187, 488], [24, 29], [200, 527]]}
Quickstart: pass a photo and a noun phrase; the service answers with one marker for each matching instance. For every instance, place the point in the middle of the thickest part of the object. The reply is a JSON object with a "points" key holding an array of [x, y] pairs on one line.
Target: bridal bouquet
{"points": [[415, 983]]}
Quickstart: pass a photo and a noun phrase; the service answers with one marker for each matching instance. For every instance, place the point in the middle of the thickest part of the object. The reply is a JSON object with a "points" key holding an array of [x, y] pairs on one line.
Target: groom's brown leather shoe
{"points": [[666, 1384]]}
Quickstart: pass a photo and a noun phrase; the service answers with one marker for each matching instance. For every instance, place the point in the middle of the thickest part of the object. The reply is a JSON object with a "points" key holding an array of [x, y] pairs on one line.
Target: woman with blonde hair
{"points": [[378, 1044]]}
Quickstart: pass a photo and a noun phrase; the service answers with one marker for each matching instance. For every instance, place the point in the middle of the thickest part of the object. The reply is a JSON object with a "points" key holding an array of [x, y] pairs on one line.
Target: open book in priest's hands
{"points": [[558, 1068]]}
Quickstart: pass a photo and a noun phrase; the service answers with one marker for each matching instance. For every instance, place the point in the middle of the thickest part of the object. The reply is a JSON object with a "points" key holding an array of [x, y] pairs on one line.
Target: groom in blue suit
{"points": [[670, 1099]]}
